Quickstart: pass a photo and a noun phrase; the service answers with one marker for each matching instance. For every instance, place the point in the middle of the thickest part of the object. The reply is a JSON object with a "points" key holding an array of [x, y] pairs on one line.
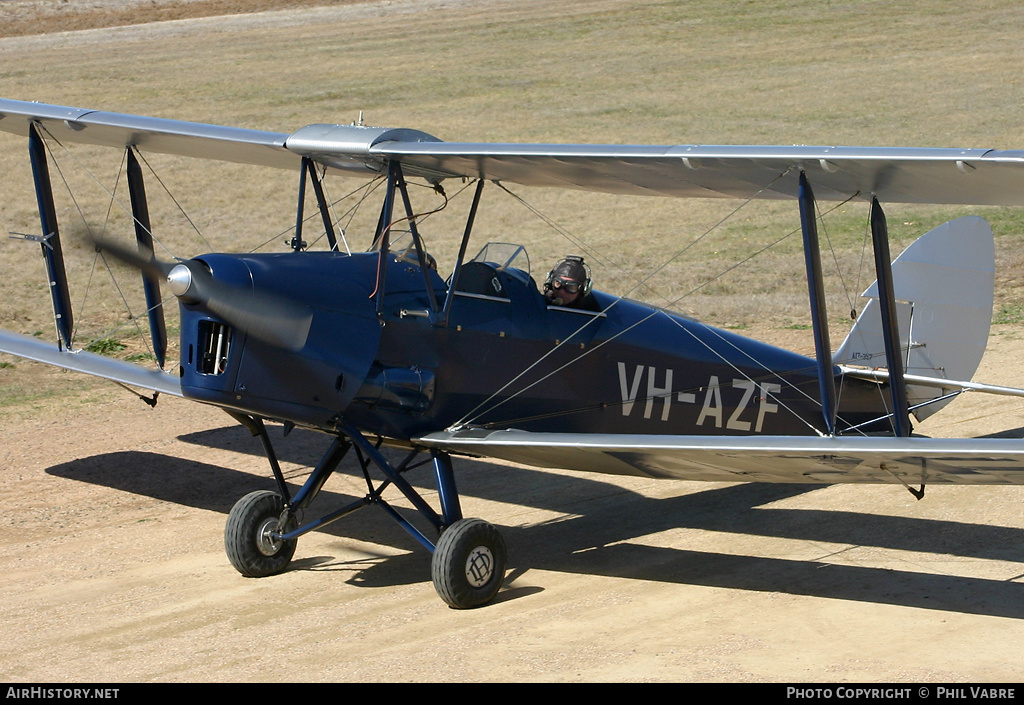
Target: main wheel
{"points": [[247, 535], [468, 565]]}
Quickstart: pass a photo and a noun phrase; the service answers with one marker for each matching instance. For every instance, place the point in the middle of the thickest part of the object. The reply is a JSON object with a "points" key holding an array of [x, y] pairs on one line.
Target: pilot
{"points": [[568, 283]]}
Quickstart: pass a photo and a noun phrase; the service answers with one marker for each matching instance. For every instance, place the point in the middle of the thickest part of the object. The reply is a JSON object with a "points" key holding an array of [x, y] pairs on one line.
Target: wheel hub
{"points": [[265, 542], [479, 566]]}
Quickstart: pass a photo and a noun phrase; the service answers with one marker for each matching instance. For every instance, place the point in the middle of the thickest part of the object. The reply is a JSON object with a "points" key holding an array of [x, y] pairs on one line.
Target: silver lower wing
{"points": [[790, 459], [89, 363]]}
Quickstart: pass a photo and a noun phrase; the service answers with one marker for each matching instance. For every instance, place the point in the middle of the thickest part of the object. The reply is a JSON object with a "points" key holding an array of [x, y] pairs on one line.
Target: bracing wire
{"points": [[178, 205], [368, 189], [483, 408], [835, 256], [577, 242], [132, 319], [92, 269]]}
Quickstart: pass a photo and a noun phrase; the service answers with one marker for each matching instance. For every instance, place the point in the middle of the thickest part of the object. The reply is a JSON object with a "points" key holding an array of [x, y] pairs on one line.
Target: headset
{"points": [[570, 267]]}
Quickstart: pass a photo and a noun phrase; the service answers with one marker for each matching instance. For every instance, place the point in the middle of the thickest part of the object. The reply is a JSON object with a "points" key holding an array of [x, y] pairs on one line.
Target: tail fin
{"points": [[944, 287]]}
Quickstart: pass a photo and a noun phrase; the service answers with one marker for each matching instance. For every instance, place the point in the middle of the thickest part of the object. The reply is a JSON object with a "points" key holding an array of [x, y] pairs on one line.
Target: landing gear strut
{"points": [[468, 563]]}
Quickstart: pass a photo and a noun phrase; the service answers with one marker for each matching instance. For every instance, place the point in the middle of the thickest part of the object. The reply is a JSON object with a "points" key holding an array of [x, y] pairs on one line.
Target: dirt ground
{"points": [[114, 569]]}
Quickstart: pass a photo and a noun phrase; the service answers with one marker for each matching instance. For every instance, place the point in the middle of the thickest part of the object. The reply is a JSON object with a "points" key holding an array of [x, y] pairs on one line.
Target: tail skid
{"points": [[944, 287]]}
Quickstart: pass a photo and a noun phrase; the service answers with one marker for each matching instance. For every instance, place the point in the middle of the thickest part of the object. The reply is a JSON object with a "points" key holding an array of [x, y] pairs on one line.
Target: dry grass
{"points": [[919, 73], [31, 17]]}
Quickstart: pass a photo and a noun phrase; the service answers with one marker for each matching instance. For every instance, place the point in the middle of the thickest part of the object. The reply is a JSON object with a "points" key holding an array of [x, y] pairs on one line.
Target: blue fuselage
{"points": [[378, 357]]}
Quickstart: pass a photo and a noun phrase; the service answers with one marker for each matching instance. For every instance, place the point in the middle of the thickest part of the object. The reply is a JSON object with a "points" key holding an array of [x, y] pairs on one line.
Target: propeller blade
{"points": [[267, 318], [139, 257]]}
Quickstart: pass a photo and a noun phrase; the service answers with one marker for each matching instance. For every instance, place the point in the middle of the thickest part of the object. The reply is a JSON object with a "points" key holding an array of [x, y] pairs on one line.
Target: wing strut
{"points": [[52, 251], [819, 317], [462, 253], [414, 231], [321, 200], [381, 238], [890, 324], [144, 236], [309, 168]]}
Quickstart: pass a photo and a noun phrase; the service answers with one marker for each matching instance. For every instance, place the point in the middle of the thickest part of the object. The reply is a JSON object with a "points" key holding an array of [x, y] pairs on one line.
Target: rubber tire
{"points": [[462, 548], [251, 516]]}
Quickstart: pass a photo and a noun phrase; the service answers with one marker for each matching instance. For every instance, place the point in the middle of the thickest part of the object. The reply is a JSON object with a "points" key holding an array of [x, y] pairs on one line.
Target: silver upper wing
{"points": [[789, 459], [906, 175], [148, 134], [894, 175]]}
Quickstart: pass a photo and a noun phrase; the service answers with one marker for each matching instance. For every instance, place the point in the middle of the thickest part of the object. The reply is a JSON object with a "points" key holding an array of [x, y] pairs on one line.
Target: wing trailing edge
{"points": [[89, 363], [779, 459]]}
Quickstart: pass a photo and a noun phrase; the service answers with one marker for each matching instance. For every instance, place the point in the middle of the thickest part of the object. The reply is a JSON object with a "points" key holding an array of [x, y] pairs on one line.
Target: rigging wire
{"points": [[174, 200], [117, 286], [78, 208], [758, 363], [98, 256], [479, 410], [112, 196], [320, 174], [132, 319], [95, 259], [863, 249], [469, 417], [835, 256], [748, 258], [85, 296], [368, 188], [564, 232]]}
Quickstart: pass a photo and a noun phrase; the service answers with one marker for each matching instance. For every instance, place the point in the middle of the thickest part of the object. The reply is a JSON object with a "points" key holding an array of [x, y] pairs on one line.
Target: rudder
{"points": [[944, 286]]}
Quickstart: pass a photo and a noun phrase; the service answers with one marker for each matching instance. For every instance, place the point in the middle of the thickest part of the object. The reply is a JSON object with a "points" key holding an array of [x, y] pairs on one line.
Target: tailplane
{"points": [[944, 288]]}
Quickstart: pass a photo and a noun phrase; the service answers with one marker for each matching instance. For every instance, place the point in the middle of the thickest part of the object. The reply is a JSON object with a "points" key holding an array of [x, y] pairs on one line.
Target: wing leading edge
{"points": [[903, 175], [89, 363], [781, 459], [895, 175]]}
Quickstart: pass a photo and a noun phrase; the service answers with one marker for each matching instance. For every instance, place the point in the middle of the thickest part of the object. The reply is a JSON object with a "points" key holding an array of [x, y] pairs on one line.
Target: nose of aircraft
{"points": [[179, 279], [273, 320]]}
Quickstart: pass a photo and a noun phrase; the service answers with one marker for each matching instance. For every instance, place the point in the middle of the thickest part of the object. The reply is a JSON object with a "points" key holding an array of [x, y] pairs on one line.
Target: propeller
{"points": [[267, 318]]}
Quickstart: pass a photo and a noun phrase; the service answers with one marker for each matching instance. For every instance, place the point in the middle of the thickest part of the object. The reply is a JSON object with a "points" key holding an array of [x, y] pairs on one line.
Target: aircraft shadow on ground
{"points": [[600, 519]]}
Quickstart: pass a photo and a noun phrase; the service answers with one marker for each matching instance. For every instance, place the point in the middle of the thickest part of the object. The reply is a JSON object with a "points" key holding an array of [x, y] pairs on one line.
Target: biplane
{"points": [[388, 348]]}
